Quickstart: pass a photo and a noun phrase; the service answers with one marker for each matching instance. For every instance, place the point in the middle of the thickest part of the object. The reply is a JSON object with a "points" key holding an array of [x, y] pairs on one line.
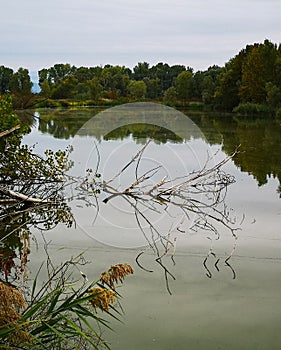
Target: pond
{"points": [[218, 284]]}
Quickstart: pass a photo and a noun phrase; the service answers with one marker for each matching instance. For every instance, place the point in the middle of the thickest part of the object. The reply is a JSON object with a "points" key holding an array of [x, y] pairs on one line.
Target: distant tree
{"points": [[162, 72], [175, 70], [257, 69], [196, 85], [183, 85], [277, 71], [137, 89], [95, 88], [45, 89], [170, 95], [141, 71], [229, 81], [82, 91], [209, 84], [67, 88], [21, 82], [273, 95], [115, 80], [43, 75], [5, 77], [56, 73], [208, 89], [82, 74], [153, 88]]}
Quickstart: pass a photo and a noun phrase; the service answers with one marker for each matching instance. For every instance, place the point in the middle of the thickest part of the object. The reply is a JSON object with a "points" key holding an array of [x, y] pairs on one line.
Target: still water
{"points": [[200, 303]]}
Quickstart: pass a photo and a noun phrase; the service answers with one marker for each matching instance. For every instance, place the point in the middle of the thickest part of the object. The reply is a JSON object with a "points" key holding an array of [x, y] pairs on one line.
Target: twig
{"points": [[137, 261]]}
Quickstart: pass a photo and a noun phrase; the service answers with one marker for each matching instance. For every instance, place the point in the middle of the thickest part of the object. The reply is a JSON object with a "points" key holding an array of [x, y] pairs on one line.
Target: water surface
{"points": [[221, 312]]}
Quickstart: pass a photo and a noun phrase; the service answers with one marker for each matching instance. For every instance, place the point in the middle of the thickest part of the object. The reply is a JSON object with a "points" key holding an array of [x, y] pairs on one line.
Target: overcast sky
{"points": [[199, 33]]}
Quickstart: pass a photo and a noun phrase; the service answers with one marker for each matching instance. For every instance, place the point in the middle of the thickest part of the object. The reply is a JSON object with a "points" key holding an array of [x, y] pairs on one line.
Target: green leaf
{"points": [[32, 310], [80, 332], [54, 302], [35, 281]]}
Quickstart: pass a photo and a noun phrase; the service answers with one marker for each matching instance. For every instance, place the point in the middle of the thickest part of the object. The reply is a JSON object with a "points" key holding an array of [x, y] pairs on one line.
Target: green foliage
{"points": [[30, 188], [20, 82], [66, 88], [114, 81], [252, 76], [183, 85], [95, 88], [7, 118], [170, 95], [252, 109], [245, 77], [56, 73], [141, 71], [137, 89], [45, 89], [153, 88], [273, 95], [227, 91], [5, 78], [257, 70]]}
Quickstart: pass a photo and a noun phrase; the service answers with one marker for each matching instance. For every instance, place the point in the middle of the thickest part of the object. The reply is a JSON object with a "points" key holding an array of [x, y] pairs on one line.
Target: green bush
{"points": [[251, 109]]}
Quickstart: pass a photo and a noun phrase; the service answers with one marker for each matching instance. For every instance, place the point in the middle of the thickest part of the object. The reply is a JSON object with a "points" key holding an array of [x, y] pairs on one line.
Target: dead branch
{"points": [[7, 132], [22, 197]]}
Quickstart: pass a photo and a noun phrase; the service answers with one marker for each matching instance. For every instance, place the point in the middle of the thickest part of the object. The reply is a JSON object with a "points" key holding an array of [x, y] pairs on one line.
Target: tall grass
{"points": [[63, 313]]}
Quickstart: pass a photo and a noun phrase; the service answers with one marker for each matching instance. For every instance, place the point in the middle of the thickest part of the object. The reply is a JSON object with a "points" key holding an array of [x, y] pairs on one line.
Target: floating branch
{"points": [[199, 196]]}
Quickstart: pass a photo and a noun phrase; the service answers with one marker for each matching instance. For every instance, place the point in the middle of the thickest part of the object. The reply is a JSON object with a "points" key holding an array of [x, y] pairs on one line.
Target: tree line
{"points": [[248, 83]]}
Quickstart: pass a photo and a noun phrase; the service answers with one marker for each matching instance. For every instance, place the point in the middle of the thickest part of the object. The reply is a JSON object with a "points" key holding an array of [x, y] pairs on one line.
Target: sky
{"points": [[37, 34]]}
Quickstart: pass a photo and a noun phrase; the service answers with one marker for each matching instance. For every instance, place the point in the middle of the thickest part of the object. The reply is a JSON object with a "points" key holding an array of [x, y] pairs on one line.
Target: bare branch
{"points": [[22, 197], [7, 132]]}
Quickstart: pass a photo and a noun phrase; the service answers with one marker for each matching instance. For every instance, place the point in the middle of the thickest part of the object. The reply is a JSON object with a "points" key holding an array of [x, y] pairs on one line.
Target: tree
{"points": [[95, 88], [21, 82], [162, 72], [45, 89], [170, 95], [66, 88], [141, 71], [153, 88], [229, 81], [137, 89], [273, 95], [82, 74], [257, 69], [5, 77], [115, 80], [183, 85], [61, 71], [56, 73]]}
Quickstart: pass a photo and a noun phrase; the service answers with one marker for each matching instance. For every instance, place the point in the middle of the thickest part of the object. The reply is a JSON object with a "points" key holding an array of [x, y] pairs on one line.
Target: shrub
{"points": [[251, 109]]}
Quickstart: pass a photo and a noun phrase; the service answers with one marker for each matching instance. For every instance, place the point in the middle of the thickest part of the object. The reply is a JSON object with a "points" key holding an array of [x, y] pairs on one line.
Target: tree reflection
{"points": [[142, 132], [259, 137], [260, 150], [65, 123]]}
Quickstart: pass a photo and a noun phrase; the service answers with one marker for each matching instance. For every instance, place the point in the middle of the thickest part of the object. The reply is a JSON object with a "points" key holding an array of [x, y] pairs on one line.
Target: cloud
{"points": [[90, 32]]}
